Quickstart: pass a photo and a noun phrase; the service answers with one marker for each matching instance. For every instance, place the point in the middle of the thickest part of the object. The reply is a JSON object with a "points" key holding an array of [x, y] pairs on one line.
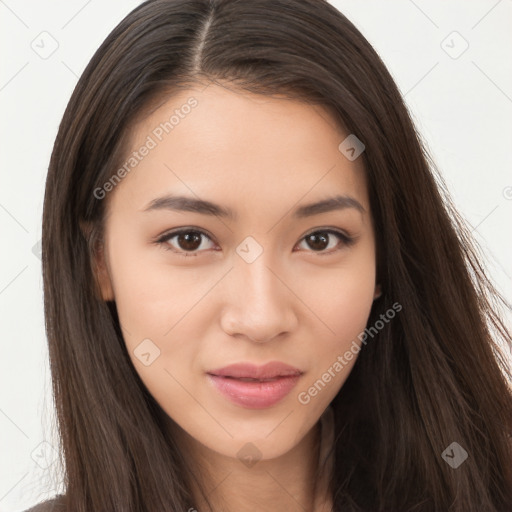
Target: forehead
{"points": [[229, 145]]}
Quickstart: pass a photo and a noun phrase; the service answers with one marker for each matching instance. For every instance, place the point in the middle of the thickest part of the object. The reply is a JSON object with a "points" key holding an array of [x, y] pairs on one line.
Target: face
{"points": [[253, 278]]}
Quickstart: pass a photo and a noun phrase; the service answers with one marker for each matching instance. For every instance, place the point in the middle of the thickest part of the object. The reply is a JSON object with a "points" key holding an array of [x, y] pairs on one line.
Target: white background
{"points": [[462, 106]]}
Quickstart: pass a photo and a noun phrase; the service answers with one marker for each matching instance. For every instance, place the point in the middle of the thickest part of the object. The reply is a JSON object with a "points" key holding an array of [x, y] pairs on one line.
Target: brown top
{"points": [[54, 505]]}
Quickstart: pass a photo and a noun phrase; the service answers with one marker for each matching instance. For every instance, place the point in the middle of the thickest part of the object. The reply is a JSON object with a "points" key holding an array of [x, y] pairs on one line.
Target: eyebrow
{"points": [[190, 204]]}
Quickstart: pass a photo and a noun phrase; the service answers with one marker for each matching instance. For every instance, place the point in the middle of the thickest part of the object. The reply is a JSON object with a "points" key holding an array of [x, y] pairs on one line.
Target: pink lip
{"points": [[274, 381]]}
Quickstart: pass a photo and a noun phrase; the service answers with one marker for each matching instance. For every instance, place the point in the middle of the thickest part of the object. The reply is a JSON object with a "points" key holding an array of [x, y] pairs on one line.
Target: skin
{"points": [[296, 303]]}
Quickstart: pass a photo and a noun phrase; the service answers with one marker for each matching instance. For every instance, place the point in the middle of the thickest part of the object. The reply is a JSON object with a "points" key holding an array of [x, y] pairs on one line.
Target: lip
{"points": [[251, 371], [273, 382]]}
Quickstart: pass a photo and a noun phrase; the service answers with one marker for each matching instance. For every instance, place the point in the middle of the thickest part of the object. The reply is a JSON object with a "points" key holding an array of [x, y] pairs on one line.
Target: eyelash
{"points": [[346, 240]]}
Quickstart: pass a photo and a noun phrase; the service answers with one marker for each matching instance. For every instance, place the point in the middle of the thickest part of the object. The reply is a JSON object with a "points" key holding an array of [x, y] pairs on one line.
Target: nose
{"points": [[259, 304]]}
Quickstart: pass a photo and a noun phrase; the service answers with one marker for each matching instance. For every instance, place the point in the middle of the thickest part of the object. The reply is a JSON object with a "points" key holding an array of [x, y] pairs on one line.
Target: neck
{"points": [[289, 482]]}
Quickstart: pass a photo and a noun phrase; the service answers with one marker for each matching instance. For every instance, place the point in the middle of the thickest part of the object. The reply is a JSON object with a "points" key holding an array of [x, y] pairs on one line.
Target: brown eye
{"points": [[320, 240], [186, 242], [189, 241]]}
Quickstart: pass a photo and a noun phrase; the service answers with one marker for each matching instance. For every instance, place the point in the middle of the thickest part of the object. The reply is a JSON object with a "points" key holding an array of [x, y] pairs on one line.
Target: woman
{"points": [[257, 296]]}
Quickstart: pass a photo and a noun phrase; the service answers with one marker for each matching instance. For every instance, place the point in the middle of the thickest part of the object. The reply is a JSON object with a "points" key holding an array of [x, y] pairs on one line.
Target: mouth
{"points": [[255, 387]]}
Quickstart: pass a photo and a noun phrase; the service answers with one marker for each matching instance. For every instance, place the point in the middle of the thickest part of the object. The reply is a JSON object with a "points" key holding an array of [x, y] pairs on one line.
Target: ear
{"points": [[377, 292], [99, 263]]}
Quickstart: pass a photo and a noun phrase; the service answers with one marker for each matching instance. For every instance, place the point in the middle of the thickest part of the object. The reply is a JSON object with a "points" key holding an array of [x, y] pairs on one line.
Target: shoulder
{"points": [[54, 505]]}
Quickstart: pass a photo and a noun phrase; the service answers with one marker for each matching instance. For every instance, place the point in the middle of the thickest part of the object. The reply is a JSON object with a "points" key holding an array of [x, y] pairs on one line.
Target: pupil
{"points": [[189, 241]]}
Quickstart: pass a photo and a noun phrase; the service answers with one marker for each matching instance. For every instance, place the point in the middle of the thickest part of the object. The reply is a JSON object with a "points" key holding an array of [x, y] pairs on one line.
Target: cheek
{"points": [[342, 303], [342, 297], [153, 304], [346, 317], [352, 300], [150, 297], [160, 310]]}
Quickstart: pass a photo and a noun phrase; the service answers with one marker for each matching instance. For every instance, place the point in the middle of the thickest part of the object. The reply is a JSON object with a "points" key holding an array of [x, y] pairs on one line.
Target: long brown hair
{"points": [[431, 377]]}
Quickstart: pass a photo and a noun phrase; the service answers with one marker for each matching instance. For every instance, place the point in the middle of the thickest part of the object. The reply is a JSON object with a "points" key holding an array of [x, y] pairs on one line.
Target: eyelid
{"points": [[328, 229], [179, 231]]}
